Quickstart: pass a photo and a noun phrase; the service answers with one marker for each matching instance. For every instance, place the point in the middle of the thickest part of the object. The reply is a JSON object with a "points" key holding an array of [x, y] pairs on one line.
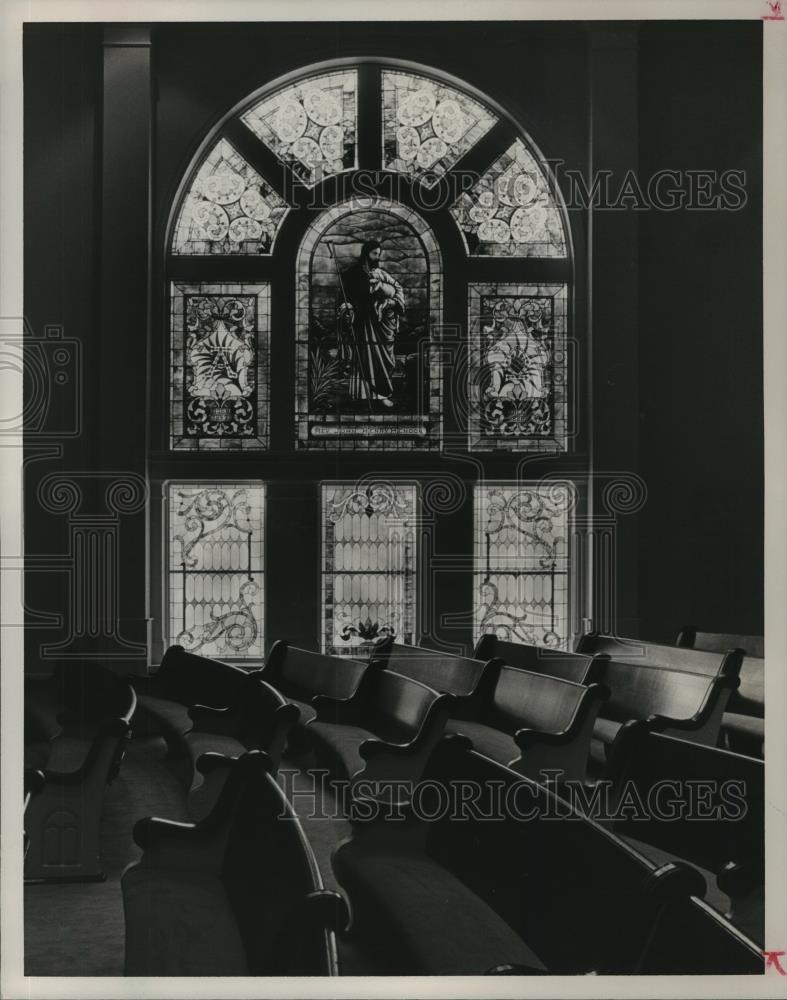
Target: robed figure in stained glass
{"points": [[372, 303]]}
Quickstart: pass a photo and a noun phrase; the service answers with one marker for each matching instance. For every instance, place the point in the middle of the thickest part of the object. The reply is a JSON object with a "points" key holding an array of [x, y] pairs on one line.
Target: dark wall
{"points": [[700, 335]]}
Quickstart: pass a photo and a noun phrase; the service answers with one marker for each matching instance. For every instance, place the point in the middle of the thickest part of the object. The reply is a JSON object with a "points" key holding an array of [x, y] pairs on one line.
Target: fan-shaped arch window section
{"points": [[311, 125], [428, 126], [228, 209], [511, 211]]}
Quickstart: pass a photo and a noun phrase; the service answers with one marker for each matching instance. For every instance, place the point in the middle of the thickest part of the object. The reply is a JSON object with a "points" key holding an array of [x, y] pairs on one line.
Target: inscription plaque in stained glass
{"points": [[369, 292], [215, 571], [428, 126], [368, 564], [219, 378], [510, 211], [229, 208], [522, 562], [311, 125], [518, 367]]}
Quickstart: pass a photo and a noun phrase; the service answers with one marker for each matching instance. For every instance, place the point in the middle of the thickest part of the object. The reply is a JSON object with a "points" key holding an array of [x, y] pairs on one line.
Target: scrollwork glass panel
{"points": [[229, 208], [368, 564], [517, 380], [215, 568], [522, 562], [428, 126], [510, 211], [219, 378], [311, 125]]}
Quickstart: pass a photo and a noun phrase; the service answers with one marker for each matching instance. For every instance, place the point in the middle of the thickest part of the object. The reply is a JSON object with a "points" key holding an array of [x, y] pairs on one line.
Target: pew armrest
{"points": [[182, 846], [221, 721], [341, 710], [527, 738]]}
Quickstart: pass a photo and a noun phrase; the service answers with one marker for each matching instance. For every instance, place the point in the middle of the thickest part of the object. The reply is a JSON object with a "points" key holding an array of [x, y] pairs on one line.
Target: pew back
{"points": [[690, 637], [302, 673], [749, 699], [396, 706], [577, 667], [639, 691], [444, 672], [522, 699], [192, 679], [650, 654], [580, 897]]}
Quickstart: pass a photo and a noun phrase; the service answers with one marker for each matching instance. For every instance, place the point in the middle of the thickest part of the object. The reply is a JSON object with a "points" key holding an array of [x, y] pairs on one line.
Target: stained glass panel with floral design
{"points": [[215, 571], [311, 125], [428, 126], [510, 211], [368, 564], [229, 208], [521, 570], [518, 367], [219, 366]]}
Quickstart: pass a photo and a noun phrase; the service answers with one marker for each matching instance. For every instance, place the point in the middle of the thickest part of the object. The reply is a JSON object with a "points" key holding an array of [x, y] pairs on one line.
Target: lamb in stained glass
{"points": [[220, 369]]}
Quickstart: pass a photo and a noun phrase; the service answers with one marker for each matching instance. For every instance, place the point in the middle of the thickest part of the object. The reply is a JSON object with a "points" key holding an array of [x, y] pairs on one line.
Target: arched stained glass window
{"points": [[427, 125], [367, 260], [229, 208], [311, 126]]}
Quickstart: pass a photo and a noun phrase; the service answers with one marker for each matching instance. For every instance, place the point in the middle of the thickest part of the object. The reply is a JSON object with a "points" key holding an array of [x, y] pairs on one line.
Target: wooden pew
{"points": [[444, 672], [531, 722], [577, 667], [725, 832], [237, 894], [384, 732], [522, 884], [688, 706], [678, 691], [89, 712], [183, 679], [33, 783], [300, 675], [259, 719], [743, 724]]}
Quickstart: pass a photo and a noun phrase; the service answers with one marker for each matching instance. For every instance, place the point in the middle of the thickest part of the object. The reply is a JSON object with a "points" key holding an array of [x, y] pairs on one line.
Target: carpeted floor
{"points": [[77, 930]]}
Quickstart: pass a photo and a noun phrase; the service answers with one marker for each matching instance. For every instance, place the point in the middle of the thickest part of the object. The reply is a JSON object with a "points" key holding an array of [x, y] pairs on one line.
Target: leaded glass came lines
{"points": [[215, 571], [521, 562], [219, 379], [510, 211], [368, 564], [311, 125], [428, 126], [229, 208], [518, 367]]}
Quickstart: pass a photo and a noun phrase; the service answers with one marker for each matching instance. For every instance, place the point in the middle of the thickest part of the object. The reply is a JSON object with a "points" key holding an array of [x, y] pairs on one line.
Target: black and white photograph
{"points": [[394, 400]]}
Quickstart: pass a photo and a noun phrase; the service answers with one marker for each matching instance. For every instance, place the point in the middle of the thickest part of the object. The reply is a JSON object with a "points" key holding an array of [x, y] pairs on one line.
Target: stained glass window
{"points": [[510, 211], [367, 364], [311, 125], [215, 572], [428, 126], [229, 208], [219, 366], [518, 367], [368, 564], [521, 562]]}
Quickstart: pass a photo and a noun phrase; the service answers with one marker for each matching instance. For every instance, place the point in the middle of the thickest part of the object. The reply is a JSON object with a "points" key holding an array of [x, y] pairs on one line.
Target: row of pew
{"points": [[619, 713]]}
